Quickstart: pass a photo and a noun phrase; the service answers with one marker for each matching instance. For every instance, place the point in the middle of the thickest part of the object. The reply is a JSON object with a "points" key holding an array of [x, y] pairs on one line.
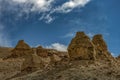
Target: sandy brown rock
{"points": [[5, 51], [10, 67], [78, 70], [22, 45], [81, 47], [101, 48], [23, 50], [26, 63], [55, 58], [99, 43], [40, 51], [54, 55]]}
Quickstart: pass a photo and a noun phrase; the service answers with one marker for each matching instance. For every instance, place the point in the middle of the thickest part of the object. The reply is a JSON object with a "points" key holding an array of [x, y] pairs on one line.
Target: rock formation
{"points": [[35, 58], [40, 51], [101, 48], [85, 60], [81, 47], [49, 56], [99, 43], [22, 49]]}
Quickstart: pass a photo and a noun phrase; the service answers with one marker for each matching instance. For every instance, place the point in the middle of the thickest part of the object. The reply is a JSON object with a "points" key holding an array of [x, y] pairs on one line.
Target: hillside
{"points": [[86, 59]]}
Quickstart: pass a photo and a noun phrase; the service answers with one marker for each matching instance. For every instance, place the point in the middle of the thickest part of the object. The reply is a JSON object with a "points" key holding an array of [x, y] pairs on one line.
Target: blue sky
{"points": [[53, 23]]}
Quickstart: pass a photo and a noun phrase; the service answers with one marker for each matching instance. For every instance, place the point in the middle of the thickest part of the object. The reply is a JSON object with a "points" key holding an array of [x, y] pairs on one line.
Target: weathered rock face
{"points": [[22, 45], [101, 47], [49, 56], [41, 52], [81, 47], [22, 49], [99, 43]]}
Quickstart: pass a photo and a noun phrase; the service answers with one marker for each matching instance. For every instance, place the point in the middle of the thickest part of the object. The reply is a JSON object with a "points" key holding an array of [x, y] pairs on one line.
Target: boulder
{"points": [[81, 47]]}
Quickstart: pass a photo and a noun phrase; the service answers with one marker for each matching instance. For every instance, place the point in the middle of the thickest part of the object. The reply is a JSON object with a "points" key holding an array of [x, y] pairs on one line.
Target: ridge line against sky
{"points": [[53, 23]]}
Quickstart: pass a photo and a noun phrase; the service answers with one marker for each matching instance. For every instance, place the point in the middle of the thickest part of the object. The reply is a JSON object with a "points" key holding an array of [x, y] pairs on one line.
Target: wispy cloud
{"points": [[66, 7], [20, 1], [33, 5], [71, 4], [44, 7], [57, 46]]}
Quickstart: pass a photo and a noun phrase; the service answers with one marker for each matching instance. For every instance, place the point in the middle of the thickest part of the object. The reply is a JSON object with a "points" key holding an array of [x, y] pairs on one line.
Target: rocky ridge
{"points": [[81, 47], [86, 59]]}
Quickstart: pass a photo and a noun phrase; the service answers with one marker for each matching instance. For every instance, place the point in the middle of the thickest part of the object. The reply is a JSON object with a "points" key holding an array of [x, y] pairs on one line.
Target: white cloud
{"points": [[20, 1], [66, 8], [43, 7], [57, 46], [47, 18], [33, 5], [71, 4], [26, 7]]}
